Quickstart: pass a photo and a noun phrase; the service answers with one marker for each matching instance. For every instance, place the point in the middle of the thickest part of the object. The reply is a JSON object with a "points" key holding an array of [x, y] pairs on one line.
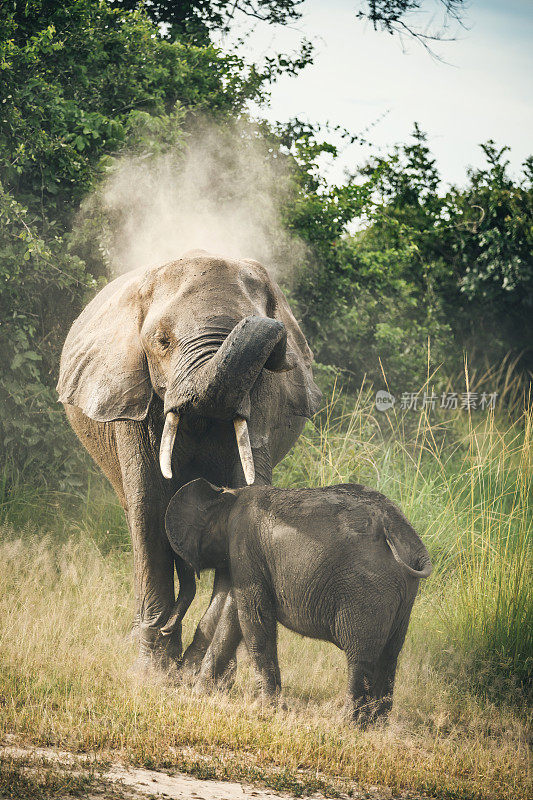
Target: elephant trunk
{"points": [[221, 387], [186, 594]]}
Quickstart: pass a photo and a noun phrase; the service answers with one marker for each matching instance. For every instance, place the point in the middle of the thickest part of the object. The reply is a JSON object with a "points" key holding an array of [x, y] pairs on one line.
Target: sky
{"points": [[480, 90]]}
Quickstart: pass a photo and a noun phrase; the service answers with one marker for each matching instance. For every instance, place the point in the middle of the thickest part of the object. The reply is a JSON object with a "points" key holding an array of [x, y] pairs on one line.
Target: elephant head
{"points": [[197, 332], [196, 526]]}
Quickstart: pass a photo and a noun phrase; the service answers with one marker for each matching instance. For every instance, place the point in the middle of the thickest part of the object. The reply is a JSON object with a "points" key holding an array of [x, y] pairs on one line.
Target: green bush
{"points": [[395, 276], [80, 81], [430, 272]]}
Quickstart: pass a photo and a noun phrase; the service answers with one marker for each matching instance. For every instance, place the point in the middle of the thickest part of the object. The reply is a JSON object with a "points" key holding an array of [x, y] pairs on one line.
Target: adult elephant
{"points": [[196, 368]]}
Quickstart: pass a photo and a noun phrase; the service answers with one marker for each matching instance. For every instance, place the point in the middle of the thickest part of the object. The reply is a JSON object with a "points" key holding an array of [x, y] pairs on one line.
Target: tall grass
{"points": [[465, 483], [460, 721]]}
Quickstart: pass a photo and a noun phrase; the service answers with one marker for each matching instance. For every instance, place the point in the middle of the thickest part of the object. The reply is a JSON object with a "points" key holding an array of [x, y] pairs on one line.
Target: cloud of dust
{"points": [[222, 192]]}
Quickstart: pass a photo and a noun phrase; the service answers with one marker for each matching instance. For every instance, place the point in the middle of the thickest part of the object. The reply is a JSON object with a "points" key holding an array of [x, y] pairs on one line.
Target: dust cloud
{"points": [[223, 190]]}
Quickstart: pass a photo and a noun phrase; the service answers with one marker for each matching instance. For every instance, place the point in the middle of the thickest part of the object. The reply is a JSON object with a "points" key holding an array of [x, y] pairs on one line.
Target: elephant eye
{"points": [[163, 341]]}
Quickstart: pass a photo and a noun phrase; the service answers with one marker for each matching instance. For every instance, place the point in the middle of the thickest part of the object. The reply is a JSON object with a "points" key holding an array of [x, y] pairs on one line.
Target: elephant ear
{"points": [[303, 394], [188, 517], [103, 368]]}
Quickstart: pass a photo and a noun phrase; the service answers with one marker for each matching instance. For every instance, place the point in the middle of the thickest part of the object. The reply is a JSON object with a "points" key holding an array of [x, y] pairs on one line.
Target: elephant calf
{"points": [[340, 563]]}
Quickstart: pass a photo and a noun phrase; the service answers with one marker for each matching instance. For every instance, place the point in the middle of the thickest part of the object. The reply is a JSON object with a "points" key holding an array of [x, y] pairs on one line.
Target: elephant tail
{"points": [[408, 540]]}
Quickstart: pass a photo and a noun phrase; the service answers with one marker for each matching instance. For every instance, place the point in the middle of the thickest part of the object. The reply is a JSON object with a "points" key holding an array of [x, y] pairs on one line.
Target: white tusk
{"points": [[167, 443], [245, 449]]}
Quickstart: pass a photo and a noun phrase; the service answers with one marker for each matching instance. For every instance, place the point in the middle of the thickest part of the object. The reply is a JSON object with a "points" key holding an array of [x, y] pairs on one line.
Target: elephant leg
{"points": [[153, 559], [208, 624], [154, 590], [360, 702], [363, 637], [259, 627], [384, 682], [386, 667], [219, 660]]}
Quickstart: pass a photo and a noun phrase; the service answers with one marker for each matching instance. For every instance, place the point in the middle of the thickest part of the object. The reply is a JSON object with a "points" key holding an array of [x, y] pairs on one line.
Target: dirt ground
{"points": [[100, 778]]}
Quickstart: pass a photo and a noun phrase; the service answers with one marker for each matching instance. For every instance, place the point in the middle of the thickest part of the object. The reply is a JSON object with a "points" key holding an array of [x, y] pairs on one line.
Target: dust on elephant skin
{"points": [[157, 374]]}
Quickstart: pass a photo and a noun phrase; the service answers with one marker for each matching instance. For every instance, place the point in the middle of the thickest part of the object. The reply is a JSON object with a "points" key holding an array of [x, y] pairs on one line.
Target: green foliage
{"points": [[392, 263], [319, 213], [196, 18], [79, 82], [492, 251], [40, 280], [427, 274]]}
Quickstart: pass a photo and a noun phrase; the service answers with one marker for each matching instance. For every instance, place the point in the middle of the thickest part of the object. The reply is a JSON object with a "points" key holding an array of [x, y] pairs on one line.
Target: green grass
{"points": [[466, 484], [460, 722], [24, 778]]}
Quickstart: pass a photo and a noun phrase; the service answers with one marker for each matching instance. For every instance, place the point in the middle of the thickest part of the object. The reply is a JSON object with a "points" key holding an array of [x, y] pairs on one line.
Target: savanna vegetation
{"points": [[460, 723], [399, 278]]}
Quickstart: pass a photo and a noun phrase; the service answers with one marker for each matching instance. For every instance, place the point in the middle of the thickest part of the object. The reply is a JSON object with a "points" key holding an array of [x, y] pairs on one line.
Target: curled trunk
{"points": [[221, 387], [186, 594]]}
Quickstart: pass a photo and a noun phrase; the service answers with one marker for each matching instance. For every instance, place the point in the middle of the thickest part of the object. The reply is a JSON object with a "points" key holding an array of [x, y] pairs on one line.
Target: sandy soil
{"points": [[115, 781], [133, 783]]}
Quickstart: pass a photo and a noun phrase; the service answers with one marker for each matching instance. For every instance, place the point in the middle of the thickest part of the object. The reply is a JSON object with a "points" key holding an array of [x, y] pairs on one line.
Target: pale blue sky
{"points": [[358, 75]]}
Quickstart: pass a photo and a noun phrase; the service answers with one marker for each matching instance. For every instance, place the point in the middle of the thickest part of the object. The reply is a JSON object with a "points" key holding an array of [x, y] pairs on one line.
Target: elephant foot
{"points": [[194, 655], [265, 704], [364, 715], [157, 653], [210, 677]]}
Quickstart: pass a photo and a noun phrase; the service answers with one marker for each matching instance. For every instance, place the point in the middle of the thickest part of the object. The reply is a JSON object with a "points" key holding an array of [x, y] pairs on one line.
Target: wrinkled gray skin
{"points": [[340, 563], [210, 340]]}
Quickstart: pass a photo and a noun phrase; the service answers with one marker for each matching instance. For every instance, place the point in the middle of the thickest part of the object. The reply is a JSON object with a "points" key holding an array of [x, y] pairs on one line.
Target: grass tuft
{"points": [[460, 723]]}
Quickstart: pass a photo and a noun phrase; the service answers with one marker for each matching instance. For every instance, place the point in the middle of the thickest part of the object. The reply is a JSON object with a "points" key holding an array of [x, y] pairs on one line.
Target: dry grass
{"points": [[459, 726], [24, 778]]}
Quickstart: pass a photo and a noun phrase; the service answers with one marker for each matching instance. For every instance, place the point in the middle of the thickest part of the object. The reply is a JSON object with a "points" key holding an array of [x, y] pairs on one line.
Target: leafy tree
{"points": [[196, 18], [79, 81], [452, 267], [492, 255], [371, 300]]}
